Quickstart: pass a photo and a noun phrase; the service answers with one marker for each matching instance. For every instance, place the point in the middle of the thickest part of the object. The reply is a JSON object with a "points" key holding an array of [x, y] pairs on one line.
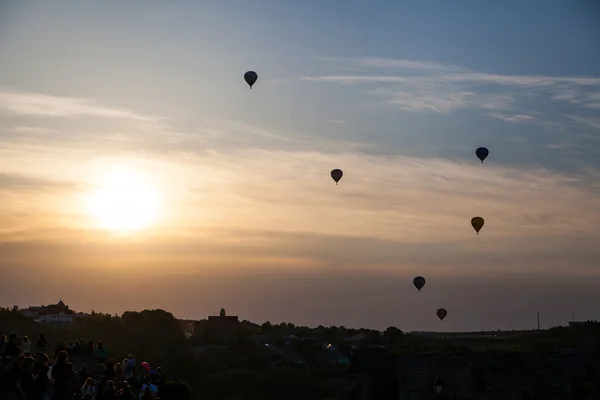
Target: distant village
{"points": [[53, 314], [60, 314]]}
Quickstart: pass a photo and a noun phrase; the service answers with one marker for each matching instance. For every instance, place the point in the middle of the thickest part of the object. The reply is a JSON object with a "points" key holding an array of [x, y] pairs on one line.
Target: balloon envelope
{"points": [[419, 282], [441, 313], [477, 223], [250, 77], [337, 174], [482, 153]]}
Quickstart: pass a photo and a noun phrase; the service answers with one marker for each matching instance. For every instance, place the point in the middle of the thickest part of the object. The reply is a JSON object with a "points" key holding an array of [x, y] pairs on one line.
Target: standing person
{"points": [[42, 342], [62, 373], [72, 349], [127, 394], [83, 373], [88, 390], [9, 373], [149, 387], [40, 376], [158, 378], [3, 342], [109, 370], [26, 346], [119, 373], [129, 367], [146, 394], [26, 382], [109, 392], [61, 347], [12, 348], [100, 353], [90, 348]]}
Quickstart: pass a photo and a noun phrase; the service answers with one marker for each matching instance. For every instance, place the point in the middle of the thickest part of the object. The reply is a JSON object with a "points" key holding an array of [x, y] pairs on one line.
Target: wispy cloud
{"points": [[514, 117], [27, 103], [122, 130], [37, 105], [20, 182], [592, 100], [350, 79], [32, 130], [439, 98], [560, 146], [589, 121], [403, 64], [583, 98], [417, 86], [428, 71]]}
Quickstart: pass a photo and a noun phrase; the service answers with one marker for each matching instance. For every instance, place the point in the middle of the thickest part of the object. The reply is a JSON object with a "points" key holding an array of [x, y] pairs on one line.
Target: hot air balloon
{"points": [[482, 153], [477, 223], [419, 282], [441, 313], [337, 174], [250, 77]]}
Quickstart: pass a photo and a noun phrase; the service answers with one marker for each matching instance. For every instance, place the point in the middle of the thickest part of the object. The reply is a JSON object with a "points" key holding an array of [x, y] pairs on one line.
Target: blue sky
{"points": [[398, 94]]}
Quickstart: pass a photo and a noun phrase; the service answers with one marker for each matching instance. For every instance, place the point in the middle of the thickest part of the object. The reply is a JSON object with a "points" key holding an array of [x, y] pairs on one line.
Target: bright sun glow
{"points": [[126, 202]]}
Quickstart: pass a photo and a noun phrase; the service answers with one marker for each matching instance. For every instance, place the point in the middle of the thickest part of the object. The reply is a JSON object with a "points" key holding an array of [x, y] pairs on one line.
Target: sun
{"points": [[125, 202]]}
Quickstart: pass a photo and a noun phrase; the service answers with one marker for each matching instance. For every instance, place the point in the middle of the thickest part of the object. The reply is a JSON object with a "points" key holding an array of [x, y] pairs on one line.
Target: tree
{"points": [[332, 335], [266, 328], [392, 336]]}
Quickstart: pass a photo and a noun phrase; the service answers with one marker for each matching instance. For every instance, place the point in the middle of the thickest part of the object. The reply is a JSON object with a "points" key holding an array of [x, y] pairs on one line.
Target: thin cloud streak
{"points": [[134, 132], [479, 78], [442, 100], [42, 105], [404, 64], [32, 130], [514, 117], [449, 73], [16, 181], [417, 86], [585, 99], [591, 122], [56, 106], [349, 79]]}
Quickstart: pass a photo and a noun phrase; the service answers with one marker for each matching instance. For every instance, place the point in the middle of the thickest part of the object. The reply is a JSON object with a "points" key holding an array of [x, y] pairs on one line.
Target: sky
{"points": [[235, 182]]}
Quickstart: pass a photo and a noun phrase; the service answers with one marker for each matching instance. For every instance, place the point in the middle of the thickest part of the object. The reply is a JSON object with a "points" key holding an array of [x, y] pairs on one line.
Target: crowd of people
{"points": [[31, 371]]}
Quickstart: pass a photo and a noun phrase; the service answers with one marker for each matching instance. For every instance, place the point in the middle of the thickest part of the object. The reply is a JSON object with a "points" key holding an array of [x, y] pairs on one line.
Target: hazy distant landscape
{"points": [[222, 357]]}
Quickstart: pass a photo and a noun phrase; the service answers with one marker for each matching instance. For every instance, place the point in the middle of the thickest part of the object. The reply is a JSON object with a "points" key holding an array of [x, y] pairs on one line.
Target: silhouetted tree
{"points": [[392, 337], [266, 328]]}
